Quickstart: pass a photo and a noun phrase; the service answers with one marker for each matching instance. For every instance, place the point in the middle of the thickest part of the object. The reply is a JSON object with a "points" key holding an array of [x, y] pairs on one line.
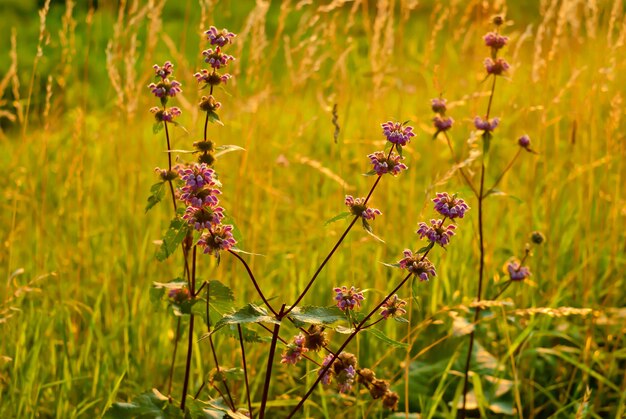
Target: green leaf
{"points": [[344, 330], [214, 118], [317, 315], [213, 409], [383, 337], [399, 149], [368, 229], [391, 265], [157, 192], [338, 217], [498, 192], [157, 127], [221, 297], [426, 248], [223, 149], [236, 232], [151, 404], [370, 173], [173, 237], [248, 314], [486, 142], [400, 319]]}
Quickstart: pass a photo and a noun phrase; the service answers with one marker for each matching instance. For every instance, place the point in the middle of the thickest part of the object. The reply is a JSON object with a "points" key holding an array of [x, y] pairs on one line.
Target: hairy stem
{"points": [[169, 385], [254, 281], [245, 368], [190, 338], [270, 362]]}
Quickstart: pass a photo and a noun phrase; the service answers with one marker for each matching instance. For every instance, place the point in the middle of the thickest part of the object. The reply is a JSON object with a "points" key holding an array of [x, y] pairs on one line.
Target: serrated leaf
{"points": [[383, 337], [159, 289], [173, 237], [223, 149], [214, 118], [250, 313], [338, 217], [151, 404], [317, 315], [426, 248], [157, 127], [157, 192], [213, 409], [344, 330]]}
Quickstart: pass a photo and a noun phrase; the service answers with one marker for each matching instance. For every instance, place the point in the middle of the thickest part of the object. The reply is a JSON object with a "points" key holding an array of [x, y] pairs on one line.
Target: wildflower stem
{"points": [[254, 281], [504, 288], [456, 161], [169, 385], [206, 125], [270, 362], [245, 368], [508, 167], [190, 338], [169, 163], [357, 329], [481, 268]]}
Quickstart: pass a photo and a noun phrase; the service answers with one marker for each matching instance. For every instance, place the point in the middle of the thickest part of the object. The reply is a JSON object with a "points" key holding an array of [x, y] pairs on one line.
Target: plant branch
{"points": [[270, 362], [254, 281]]}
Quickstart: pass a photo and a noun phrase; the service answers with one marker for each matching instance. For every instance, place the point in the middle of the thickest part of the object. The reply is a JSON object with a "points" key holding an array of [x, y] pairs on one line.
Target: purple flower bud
{"points": [[496, 67], [219, 38], [216, 58], [212, 78], [348, 299], [393, 307], [219, 239], [345, 379], [438, 105], [450, 206], [165, 115], [417, 265], [165, 71], [485, 125], [397, 133], [328, 374], [383, 165], [436, 232], [165, 88], [357, 207], [442, 124], [516, 271], [294, 351], [495, 40]]}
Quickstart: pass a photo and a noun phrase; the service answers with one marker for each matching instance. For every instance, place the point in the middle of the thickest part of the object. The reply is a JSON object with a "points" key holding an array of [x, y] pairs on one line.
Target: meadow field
{"points": [[83, 330]]}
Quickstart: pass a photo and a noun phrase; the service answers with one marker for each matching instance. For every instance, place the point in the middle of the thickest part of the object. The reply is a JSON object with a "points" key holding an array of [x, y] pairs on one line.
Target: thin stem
{"points": [[270, 362], [219, 371], [508, 167], [254, 281], [199, 390], [456, 161], [504, 288], [190, 338], [357, 329], [245, 368], [169, 385], [206, 125], [169, 162]]}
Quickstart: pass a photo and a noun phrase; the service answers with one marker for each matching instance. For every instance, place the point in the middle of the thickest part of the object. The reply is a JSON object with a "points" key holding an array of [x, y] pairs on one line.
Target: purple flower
{"points": [[220, 238], [203, 217], [294, 351], [450, 206], [436, 232], [495, 40], [179, 295], [200, 186], [517, 272], [211, 77], [417, 265], [442, 124], [524, 142], [357, 207], [327, 376], [165, 88], [165, 115], [397, 133], [345, 379], [348, 299], [393, 307], [438, 105], [219, 38], [165, 71], [485, 125], [496, 67], [383, 165], [216, 58]]}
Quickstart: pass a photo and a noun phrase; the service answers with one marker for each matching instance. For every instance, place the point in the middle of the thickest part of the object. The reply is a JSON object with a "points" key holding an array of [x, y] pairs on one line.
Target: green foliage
{"points": [[317, 315], [151, 405], [174, 236], [157, 192], [341, 216]]}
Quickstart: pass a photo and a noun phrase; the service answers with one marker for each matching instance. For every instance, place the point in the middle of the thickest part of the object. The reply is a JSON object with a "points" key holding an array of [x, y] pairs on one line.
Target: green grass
{"points": [[85, 332]]}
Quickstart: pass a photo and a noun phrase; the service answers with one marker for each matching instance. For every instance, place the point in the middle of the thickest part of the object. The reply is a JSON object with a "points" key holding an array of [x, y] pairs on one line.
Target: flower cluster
{"points": [[393, 307], [495, 42], [164, 88], [165, 115], [418, 265], [360, 209], [524, 142], [516, 271], [379, 389], [348, 299], [179, 295], [496, 67], [199, 192], [384, 163], [343, 370], [441, 122], [294, 351], [436, 232], [219, 38], [486, 125], [397, 133], [450, 206], [215, 57]]}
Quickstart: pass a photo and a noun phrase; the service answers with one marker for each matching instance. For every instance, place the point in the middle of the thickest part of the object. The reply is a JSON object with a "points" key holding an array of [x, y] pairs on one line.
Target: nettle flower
{"points": [[357, 207], [315, 338], [418, 265], [327, 376], [212, 78], [524, 142], [294, 351], [450, 206], [218, 239], [436, 232], [165, 71], [200, 186], [382, 164], [516, 271], [216, 58], [179, 295], [219, 38], [165, 88], [486, 125], [343, 369], [204, 217], [348, 299], [165, 115], [166, 175], [438, 105], [442, 123], [393, 307], [496, 67], [397, 133], [495, 41], [390, 400]]}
